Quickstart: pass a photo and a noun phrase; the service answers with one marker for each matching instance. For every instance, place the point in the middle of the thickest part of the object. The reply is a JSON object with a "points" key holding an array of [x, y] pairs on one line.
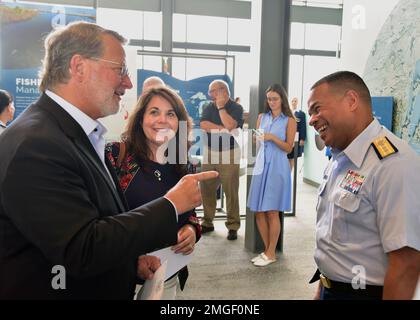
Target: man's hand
{"points": [[186, 240], [301, 143], [185, 195], [220, 101], [146, 266]]}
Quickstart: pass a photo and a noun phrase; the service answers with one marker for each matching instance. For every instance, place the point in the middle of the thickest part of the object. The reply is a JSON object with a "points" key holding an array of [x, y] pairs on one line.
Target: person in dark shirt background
{"points": [[222, 154], [301, 129]]}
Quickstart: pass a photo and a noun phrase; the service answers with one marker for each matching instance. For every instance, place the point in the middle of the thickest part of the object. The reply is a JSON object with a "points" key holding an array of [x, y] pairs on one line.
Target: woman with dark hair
{"points": [[7, 110], [150, 159], [276, 134]]}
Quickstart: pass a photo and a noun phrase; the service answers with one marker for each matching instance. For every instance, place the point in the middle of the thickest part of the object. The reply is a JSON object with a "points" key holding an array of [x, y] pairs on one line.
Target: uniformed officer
{"points": [[368, 211]]}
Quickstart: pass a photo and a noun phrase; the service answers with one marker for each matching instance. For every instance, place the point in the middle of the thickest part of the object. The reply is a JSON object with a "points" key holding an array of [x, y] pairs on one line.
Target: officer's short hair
{"points": [[346, 80]]}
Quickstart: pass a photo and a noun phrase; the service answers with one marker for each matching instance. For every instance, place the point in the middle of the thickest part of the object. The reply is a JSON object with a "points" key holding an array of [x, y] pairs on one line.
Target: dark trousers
{"points": [[331, 294]]}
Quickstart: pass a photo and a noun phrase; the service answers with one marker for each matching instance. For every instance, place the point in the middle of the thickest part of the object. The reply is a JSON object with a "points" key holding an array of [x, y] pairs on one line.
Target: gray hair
{"points": [[221, 83], [62, 44], [152, 82]]}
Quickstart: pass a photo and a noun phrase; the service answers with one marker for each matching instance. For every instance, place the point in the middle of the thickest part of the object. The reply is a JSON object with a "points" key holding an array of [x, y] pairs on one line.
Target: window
{"points": [[297, 35], [179, 27], [322, 37], [319, 3], [203, 29], [238, 31], [152, 25], [295, 77], [131, 29]]}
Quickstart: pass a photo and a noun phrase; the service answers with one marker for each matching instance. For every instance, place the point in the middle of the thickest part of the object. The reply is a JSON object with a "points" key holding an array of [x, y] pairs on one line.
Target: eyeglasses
{"points": [[212, 91], [273, 99], [123, 70]]}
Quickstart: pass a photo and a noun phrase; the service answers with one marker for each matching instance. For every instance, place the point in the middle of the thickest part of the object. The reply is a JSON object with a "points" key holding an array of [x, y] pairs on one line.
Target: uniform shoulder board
{"points": [[383, 147]]}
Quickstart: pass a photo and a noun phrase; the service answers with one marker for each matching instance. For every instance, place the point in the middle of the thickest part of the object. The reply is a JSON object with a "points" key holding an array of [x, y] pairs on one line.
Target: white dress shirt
{"points": [[94, 129]]}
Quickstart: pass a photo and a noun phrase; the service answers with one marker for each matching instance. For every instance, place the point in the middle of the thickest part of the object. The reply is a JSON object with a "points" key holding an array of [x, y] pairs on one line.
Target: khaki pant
{"points": [[227, 164]]}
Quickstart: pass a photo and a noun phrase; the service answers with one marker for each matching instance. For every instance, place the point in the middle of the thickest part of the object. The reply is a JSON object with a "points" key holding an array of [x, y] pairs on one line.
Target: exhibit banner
{"points": [[23, 28], [383, 108]]}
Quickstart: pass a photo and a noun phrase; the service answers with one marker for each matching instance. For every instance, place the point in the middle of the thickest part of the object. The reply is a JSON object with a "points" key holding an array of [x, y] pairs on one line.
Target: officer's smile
{"points": [[322, 129]]}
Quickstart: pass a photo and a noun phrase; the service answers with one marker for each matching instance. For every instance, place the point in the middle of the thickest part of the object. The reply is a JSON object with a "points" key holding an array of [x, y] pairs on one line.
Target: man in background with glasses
{"points": [[65, 229], [220, 118]]}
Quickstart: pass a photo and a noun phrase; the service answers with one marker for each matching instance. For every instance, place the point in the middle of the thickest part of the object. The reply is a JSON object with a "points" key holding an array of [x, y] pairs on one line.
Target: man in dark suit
{"points": [[301, 129], [65, 232]]}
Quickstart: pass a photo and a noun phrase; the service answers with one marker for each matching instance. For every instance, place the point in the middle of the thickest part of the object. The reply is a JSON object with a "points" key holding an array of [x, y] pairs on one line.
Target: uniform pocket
{"points": [[347, 201], [345, 204]]}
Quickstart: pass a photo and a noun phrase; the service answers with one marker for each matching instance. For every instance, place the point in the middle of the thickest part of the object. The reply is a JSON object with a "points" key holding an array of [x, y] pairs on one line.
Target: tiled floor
{"points": [[221, 269]]}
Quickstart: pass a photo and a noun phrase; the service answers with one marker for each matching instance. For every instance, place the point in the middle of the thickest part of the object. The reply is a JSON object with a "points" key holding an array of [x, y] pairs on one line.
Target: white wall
{"points": [[315, 160], [362, 21], [131, 28]]}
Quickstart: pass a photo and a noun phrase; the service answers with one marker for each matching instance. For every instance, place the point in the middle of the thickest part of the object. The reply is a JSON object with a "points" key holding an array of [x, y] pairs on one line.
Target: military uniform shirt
{"points": [[367, 207]]}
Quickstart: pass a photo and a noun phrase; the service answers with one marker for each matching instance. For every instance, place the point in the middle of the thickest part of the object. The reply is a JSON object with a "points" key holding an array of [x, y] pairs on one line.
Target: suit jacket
{"points": [[58, 206]]}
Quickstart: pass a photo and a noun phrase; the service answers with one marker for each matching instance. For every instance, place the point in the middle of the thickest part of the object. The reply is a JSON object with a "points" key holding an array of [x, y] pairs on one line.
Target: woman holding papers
{"points": [[151, 158]]}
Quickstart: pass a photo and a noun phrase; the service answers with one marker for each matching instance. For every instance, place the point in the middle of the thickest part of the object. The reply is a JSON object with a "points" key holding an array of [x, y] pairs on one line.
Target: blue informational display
{"points": [[383, 108], [22, 32]]}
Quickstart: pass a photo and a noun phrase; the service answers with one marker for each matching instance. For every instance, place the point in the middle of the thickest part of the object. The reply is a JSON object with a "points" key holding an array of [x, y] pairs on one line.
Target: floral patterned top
{"points": [[132, 173]]}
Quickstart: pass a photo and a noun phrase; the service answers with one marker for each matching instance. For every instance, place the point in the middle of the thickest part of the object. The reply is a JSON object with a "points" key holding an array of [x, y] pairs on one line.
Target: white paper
{"points": [[176, 261], [153, 289]]}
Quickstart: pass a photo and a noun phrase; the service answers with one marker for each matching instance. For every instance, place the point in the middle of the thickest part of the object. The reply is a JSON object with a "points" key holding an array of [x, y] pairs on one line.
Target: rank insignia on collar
{"points": [[383, 147]]}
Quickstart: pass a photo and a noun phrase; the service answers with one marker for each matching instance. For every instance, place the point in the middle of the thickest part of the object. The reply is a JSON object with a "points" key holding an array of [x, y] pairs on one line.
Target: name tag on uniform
{"points": [[352, 182]]}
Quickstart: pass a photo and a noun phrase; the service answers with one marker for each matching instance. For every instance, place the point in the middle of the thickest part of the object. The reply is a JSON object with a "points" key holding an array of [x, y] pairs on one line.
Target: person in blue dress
{"points": [[270, 190]]}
